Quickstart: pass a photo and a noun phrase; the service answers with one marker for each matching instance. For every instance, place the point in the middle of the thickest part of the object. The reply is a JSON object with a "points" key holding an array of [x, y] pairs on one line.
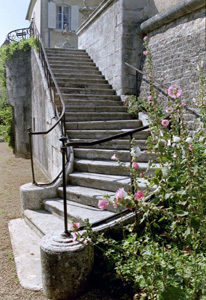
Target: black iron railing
{"points": [[18, 34]]}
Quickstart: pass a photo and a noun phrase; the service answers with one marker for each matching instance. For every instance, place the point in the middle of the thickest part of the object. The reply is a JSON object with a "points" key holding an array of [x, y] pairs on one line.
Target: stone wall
{"points": [[18, 79], [46, 148], [176, 48]]}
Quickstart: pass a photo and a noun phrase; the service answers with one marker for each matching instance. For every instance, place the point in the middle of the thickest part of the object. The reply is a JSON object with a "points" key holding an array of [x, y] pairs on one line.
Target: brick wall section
{"points": [[176, 49]]}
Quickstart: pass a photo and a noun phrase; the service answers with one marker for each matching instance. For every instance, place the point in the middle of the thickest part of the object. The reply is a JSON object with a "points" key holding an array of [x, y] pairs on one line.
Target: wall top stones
{"points": [[180, 9]]}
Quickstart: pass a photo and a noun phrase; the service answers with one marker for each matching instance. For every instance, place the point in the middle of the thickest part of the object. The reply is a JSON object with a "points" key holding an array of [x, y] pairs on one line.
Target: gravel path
{"points": [[15, 172]]}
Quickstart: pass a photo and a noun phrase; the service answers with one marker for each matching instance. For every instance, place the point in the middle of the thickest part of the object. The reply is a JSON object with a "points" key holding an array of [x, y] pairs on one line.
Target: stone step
{"points": [[103, 182], [53, 59], [72, 63], [106, 154], [109, 124], [78, 77], [113, 145], [75, 72], [87, 196], [26, 250], [93, 116], [90, 97], [53, 51], [101, 134], [107, 167], [43, 222], [82, 81], [89, 90], [96, 109], [93, 85], [65, 56], [92, 103], [74, 66], [77, 211]]}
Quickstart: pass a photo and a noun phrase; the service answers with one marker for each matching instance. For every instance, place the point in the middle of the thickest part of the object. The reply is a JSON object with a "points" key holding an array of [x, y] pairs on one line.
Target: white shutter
{"points": [[51, 15], [74, 17]]}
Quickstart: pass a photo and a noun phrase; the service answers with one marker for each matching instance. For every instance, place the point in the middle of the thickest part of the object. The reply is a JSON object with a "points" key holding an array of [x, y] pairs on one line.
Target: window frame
{"points": [[62, 14]]}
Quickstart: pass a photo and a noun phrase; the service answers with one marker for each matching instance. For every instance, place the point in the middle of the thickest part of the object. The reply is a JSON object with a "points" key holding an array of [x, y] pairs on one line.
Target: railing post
{"points": [[31, 155], [132, 181], [136, 85], [63, 139]]}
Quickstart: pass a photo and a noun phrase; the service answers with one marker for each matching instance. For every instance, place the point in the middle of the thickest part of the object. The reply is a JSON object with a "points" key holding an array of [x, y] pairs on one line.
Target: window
{"points": [[62, 17]]}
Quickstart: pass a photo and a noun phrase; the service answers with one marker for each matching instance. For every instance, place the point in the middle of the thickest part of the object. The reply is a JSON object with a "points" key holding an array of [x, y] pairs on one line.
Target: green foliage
{"points": [[135, 106], [7, 52], [162, 256]]}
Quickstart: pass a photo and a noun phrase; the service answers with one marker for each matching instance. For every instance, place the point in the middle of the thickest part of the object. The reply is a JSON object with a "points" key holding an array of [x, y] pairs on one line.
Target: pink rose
{"points": [[74, 234], [204, 102], [75, 226], [114, 157], [190, 147], [165, 123], [120, 194], [145, 38], [150, 98], [139, 195], [202, 64], [141, 174], [183, 104], [174, 91], [145, 52], [102, 204], [135, 165], [194, 100]]}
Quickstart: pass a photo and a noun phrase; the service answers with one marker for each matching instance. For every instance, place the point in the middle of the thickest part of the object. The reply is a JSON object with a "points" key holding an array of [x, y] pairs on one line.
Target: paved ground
{"points": [[13, 173]]}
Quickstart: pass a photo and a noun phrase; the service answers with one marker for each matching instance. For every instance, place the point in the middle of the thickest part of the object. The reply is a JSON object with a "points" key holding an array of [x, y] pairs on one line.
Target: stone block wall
{"points": [[176, 48], [46, 148], [18, 79], [101, 36]]}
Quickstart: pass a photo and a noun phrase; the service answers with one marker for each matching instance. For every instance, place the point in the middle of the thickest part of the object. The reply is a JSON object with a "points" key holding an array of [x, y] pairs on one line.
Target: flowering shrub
{"points": [[163, 254]]}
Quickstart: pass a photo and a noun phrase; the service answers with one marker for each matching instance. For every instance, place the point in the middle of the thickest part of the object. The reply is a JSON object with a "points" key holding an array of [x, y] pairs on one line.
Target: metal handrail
{"points": [[18, 34], [54, 91]]}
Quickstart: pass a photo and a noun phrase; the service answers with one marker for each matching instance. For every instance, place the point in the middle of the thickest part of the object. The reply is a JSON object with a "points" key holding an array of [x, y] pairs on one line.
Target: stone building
{"points": [[57, 20]]}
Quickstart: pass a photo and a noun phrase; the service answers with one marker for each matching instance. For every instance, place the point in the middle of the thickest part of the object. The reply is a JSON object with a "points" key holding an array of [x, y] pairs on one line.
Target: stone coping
{"points": [[180, 9], [95, 14]]}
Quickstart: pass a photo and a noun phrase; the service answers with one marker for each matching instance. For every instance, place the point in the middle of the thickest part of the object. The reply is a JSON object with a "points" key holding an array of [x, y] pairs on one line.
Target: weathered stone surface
{"points": [[18, 79], [66, 266]]}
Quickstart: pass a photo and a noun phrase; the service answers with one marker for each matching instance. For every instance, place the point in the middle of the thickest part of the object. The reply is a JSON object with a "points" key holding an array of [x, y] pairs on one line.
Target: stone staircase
{"points": [[93, 111]]}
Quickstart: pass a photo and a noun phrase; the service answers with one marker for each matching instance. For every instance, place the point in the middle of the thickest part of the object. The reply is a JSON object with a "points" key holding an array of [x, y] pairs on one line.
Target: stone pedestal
{"points": [[66, 266]]}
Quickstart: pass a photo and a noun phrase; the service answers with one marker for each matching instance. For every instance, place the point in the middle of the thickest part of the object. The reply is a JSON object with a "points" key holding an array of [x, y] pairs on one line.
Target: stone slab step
{"points": [[112, 124], [94, 116], [71, 63], [53, 59], [95, 109], [82, 80], [101, 181], [113, 145], [65, 51], [78, 77], [101, 134], [92, 103], [90, 97], [85, 91], [106, 154], [26, 250], [68, 55], [107, 167], [43, 222], [78, 211], [74, 67], [84, 85], [87, 196], [75, 72]]}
